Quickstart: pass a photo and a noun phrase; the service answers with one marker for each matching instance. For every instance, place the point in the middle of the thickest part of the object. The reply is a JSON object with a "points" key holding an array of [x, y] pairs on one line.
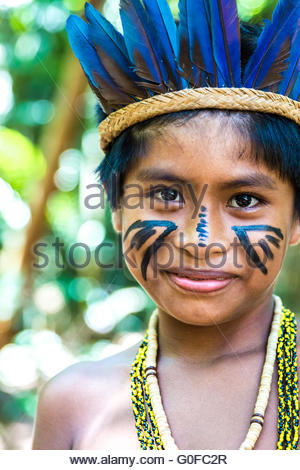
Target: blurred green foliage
{"points": [[72, 313]]}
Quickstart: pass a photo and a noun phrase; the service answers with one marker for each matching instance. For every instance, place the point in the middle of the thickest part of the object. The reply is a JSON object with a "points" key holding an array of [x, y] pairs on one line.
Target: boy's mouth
{"points": [[200, 281]]}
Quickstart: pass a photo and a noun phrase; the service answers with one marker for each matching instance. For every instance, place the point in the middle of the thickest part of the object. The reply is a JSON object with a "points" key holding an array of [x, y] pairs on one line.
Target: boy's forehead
{"points": [[194, 141], [207, 151], [206, 131]]}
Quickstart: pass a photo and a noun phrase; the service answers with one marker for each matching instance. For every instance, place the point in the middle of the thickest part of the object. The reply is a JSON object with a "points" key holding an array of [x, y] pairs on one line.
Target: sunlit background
{"points": [[54, 316]]}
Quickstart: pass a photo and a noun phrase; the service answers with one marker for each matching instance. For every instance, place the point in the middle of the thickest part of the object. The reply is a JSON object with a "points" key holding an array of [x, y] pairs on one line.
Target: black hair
{"points": [[275, 139]]}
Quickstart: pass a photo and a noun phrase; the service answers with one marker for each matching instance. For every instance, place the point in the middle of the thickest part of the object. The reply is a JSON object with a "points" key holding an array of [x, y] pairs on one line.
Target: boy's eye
{"points": [[244, 201], [166, 194]]}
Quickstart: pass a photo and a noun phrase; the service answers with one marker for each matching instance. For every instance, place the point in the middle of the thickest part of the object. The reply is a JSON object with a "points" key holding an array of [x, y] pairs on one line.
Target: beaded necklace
{"points": [[151, 422]]}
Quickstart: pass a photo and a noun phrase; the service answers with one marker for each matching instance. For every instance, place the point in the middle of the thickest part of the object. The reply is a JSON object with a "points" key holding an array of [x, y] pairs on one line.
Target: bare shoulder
{"points": [[75, 394], [82, 380]]}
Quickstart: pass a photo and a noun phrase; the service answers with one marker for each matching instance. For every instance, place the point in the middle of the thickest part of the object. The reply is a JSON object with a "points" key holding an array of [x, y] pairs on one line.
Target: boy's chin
{"points": [[203, 315]]}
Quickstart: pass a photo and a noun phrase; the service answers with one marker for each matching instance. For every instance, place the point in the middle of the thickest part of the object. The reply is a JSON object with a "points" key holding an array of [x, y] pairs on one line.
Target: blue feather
{"points": [[99, 79], [195, 45], [166, 29], [77, 31], [112, 52], [96, 19], [141, 42], [295, 94], [265, 66], [226, 41], [290, 84]]}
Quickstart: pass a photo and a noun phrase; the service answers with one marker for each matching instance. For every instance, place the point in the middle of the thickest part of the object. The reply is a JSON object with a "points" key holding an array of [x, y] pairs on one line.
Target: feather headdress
{"points": [[156, 67]]}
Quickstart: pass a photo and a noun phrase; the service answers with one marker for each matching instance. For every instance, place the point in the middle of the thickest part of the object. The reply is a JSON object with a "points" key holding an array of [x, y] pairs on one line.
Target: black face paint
{"points": [[202, 227], [147, 230], [241, 231], [266, 249], [273, 240]]}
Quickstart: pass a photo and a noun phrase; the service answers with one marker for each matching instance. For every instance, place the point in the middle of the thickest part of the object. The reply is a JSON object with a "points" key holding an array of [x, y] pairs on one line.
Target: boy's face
{"points": [[205, 229]]}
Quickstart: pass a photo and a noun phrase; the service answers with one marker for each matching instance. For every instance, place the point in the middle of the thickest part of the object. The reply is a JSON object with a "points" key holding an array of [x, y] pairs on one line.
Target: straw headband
{"points": [[239, 99]]}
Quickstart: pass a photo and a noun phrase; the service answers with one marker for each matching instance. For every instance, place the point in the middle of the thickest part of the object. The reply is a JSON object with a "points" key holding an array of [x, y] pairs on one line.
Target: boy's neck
{"points": [[205, 345]]}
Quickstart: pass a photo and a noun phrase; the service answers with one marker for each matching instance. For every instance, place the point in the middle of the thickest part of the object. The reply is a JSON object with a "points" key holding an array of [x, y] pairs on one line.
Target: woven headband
{"points": [[157, 67], [239, 99]]}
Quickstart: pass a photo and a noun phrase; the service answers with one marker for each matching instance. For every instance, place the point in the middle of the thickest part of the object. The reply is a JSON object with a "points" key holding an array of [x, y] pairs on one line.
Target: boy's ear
{"points": [[295, 233], [117, 220]]}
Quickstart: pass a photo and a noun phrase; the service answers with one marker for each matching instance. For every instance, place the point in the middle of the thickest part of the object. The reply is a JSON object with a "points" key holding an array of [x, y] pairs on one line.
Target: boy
{"points": [[216, 209]]}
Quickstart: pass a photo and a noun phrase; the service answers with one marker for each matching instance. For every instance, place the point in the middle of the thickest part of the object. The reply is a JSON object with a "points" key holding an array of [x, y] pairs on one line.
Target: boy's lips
{"points": [[200, 281]]}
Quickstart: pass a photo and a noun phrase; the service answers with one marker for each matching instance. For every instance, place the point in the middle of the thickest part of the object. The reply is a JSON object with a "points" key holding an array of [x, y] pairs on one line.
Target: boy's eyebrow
{"points": [[157, 174], [254, 180]]}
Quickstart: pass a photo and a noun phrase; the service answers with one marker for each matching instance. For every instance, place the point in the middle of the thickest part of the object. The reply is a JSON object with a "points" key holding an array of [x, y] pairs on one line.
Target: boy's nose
{"points": [[203, 235]]}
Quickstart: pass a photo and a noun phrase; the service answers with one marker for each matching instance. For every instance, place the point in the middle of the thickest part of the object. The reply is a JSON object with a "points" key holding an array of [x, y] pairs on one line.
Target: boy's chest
{"points": [[210, 416], [213, 417]]}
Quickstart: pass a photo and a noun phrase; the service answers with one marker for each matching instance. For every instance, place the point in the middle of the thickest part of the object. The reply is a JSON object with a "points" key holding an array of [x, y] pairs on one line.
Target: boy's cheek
{"points": [[267, 272], [137, 260]]}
